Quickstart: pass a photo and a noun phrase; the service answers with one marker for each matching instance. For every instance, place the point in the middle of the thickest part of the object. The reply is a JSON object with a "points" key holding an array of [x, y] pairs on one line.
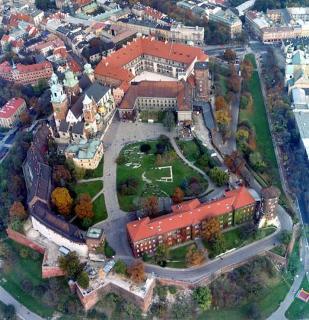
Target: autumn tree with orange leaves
{"points": [[212, 229], [150, 206], [136, 272], [178, 195], [62, 200], [194, 257], [17, 210], [84, 207]]}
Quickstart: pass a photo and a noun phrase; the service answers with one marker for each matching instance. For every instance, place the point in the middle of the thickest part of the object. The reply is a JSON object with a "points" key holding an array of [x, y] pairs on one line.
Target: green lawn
{"points": [[299, 309], [223, 84], [250, 57], [233, 238], [99, 209], [25, 269], [258, 119], [96, 173], [272, 296], [138, 164], [177, 256], [88, 187], [189, 149]]}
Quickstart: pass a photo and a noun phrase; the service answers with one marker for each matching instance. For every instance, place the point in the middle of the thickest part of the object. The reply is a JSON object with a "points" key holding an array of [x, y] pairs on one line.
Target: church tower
{"points": [[89, 72], [59, 99], [89, 110], [71, 84]]}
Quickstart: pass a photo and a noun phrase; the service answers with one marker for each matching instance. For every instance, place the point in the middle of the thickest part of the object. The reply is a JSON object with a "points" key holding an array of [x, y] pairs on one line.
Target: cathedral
{"points": [[83, 110]]}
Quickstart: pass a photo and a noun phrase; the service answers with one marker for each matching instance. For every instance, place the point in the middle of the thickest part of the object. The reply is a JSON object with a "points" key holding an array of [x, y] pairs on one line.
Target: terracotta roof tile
{"points": [[189, 213]]}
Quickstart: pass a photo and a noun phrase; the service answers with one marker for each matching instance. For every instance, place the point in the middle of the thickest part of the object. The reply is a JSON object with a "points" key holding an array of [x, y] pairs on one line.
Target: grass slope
{"points": [[99, 209], [88, 187]]}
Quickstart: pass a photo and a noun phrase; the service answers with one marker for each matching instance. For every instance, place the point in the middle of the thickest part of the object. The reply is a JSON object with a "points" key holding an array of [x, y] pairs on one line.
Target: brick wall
{"points": [[20, 238], [51, 272]]}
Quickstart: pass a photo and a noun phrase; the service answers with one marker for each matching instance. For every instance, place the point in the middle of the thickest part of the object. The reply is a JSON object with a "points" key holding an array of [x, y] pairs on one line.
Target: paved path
{"points": [[97, 195], [89, 180], [21, 311]]}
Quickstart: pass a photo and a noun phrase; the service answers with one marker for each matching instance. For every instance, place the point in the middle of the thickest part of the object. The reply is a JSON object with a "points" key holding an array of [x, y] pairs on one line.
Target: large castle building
{"points": [[184, 65], [26, 74]]}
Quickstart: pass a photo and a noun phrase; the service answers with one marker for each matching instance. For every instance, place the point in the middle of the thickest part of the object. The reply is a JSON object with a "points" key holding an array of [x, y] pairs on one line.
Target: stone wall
{"points": [[20, 238], [295, 234], [51, 272]]}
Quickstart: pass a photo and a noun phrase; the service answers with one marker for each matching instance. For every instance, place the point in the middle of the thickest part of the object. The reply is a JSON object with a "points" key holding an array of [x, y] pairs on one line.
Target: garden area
{"points": [[153, 169], [22, 278], [253, 135], [299, 309], [237, 237], [198, 154]]}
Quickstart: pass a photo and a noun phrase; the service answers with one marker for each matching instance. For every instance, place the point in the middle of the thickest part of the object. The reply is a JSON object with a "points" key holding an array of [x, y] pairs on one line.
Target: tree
{"points": [[62, 200], [229, 55], [256, 161], [9, 312], [218, 245], [17, 210], [242, 135], [246, 69], [136, 272], [285, 237], [161, 254], [25, 118], [83, 279], [120, 267], [150, 206], [61, 174], [202, 295], [218, 176], [212, 229], [234, 83], [220, 103], [178, 195], [194, 257], [84, 206], [254, 311], [79, 173], [145, 148], [70, 264], [169, 120]]}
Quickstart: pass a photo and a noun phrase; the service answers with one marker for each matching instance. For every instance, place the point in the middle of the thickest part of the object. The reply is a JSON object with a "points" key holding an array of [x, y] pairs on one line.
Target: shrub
{"points": [[160, 148], [27, 285], [35, 255], [121, 160], [120, 267], [24, 252], [86, 223], [145, 148], [108, 250], [83, 279], [172, 289]]}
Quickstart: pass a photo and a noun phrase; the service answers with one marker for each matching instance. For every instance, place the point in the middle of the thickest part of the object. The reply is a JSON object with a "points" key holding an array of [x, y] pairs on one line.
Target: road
{"points": [[21, 311]]}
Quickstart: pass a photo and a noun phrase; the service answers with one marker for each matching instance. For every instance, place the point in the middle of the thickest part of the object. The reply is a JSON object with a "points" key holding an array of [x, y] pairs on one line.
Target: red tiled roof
{"points": [[11, 107], [303, 295], [112, 66], [74, 66], [189, 213]]}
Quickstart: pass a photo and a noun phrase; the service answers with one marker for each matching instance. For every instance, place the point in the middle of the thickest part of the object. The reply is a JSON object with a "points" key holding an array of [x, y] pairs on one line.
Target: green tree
{"points": [[202, 295], [256, 161], [70, 264], [83, 279], [218, 176], [120, 267], [242, 135], [161, 253], [169, 120], [9, 312]]}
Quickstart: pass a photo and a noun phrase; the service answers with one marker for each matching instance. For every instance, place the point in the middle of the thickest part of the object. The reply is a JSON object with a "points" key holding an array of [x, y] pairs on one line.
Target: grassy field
{"points": [[88, 187], [272, 296], [96, 173], [99, 209], [189, 149], [250, 57], [258, 119], [223, 84], [25, 269], [177, 256], [142, 167], [233, 238], [299, 309]]}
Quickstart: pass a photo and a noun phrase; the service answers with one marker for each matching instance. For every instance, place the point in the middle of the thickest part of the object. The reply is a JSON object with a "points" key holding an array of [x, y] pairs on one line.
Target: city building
{"points": [[280, 24], [169, 62], [10, 112], [228, 19], [174, 33], [188, 219], [26, 74], [297, 83]]}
